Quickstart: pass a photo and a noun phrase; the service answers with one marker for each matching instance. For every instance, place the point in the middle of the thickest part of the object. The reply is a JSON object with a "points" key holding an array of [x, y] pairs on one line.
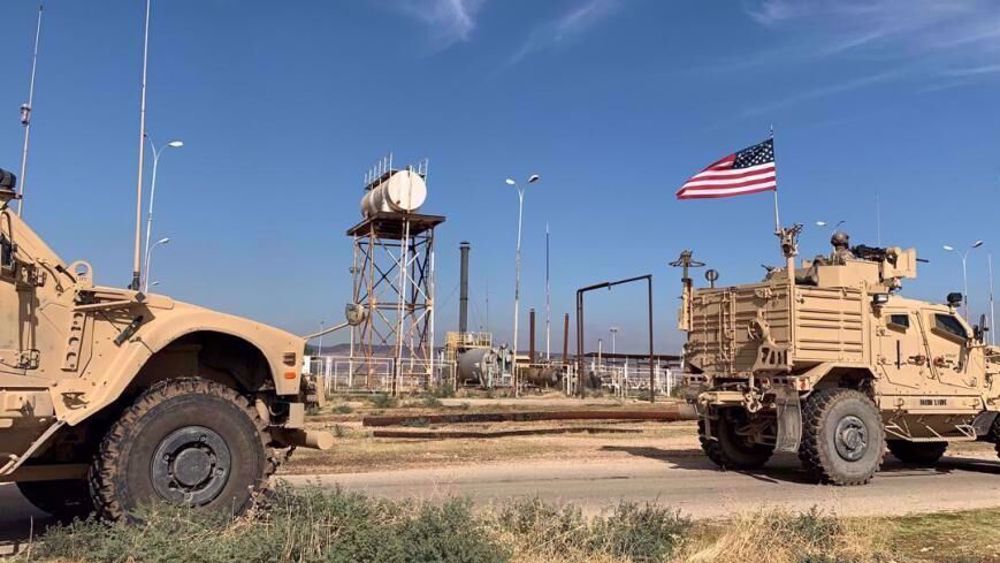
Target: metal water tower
{"points": [[393, 273]]}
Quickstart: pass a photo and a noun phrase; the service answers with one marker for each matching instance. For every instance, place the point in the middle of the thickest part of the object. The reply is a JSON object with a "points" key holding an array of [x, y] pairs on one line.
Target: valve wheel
{"points": [[191, 465]]}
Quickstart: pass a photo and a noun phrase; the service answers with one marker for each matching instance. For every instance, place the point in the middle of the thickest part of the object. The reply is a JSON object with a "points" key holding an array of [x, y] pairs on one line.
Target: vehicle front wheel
{"points": [[917, 453], [843, 440], [187, 441], [730, 450]]}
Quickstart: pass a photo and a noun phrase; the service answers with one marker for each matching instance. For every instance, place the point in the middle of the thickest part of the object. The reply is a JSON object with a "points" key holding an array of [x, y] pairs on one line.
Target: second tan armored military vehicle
{"points": [[831, 362], [110, 398]]}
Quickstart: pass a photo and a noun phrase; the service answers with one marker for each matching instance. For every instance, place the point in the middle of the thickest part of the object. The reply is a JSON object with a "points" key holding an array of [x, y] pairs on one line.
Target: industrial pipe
{"points": [[580, 335]]}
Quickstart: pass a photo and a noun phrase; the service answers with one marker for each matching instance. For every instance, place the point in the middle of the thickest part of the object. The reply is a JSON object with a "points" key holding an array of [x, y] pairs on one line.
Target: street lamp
{"points": [[149, 256], [517, 267], [320, 352], [965, 272], [175, 144], [614, 333]]}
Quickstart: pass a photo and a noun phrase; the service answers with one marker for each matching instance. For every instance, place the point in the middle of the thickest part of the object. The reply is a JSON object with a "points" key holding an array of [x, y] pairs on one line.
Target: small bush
{"points": [[443, 391], [644, 532], [631, 532], [383, 401], [432, 402], [343, 408], [339, 431]]}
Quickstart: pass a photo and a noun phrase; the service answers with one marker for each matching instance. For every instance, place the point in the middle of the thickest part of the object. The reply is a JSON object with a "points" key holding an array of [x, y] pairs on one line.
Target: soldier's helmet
{"points": [[840, 239]]}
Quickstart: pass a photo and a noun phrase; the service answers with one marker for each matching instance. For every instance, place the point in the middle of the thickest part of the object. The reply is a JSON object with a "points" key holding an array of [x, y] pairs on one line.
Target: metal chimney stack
{"points": [[463, 298], [531, 336]]}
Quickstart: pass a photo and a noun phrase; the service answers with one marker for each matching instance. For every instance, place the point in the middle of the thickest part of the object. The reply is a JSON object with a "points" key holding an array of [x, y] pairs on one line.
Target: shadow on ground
{"points": [[785, 468]]}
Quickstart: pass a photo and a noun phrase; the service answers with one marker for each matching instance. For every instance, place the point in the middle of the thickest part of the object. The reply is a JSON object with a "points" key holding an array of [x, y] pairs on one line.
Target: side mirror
{"points": [[979, 331], [955, 299]]}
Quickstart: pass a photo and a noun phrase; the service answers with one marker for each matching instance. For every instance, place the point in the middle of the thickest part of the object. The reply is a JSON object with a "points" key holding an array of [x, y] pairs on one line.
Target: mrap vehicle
{"points": [[828, 360], [111, 398]]}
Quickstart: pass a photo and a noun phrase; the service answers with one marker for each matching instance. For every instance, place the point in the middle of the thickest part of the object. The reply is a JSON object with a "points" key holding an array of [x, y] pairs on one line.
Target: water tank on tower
{"points": [[395, 191]]}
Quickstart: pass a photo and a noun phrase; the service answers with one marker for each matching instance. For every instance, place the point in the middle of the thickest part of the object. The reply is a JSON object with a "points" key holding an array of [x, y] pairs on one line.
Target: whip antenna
{"points": [[26, 115]]}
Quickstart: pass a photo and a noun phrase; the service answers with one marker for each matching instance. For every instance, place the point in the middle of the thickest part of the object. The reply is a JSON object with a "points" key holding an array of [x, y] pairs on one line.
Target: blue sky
{"points": [[283, 105]]}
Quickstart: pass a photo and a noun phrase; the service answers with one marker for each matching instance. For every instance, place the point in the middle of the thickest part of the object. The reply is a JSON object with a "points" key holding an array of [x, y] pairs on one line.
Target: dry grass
{"points": [[783, 537]]}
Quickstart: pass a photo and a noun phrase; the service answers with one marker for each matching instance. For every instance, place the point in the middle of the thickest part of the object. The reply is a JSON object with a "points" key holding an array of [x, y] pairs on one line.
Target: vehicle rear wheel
{"points": [[843, 440], [917, 453], [64, 499], [186, 441], [729, 450]]}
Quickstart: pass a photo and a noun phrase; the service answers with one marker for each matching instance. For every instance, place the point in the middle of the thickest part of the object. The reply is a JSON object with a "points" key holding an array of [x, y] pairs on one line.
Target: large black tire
{"points": [[188, 441], [917, 453], [64, 499], [729, 450], [843, 440]]}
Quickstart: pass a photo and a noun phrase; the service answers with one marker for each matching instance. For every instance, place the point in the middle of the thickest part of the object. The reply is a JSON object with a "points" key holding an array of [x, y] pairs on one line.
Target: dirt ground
{"points": [[357, 450]]}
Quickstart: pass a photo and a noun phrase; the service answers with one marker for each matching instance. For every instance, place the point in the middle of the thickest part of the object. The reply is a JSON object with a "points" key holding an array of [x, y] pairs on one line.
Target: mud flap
{"points": [[789, 411]]}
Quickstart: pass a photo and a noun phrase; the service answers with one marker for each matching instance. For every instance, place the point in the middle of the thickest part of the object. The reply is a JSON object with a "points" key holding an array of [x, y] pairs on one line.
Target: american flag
{"points": [[748, 171]]}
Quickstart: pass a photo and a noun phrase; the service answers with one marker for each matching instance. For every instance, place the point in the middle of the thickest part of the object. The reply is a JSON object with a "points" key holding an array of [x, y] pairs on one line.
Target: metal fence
{"points": [[347, 374]]}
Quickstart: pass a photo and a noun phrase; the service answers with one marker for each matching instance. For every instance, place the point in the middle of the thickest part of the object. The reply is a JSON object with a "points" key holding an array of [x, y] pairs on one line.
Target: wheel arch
{"points": [[844, 376], [265, 359]]}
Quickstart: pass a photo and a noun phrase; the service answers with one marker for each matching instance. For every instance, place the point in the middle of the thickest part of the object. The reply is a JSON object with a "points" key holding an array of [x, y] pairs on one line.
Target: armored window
{"points": [[6, 252], [901, 322], [950, 324]]}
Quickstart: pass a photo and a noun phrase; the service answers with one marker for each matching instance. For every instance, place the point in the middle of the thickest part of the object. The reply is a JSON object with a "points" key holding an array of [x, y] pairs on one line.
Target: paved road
{"points": [[681, 479], [692, 484]]}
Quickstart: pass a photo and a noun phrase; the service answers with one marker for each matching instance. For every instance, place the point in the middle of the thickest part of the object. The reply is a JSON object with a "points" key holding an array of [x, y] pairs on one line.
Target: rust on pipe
{"points": [[457, 434], [667, 413]]}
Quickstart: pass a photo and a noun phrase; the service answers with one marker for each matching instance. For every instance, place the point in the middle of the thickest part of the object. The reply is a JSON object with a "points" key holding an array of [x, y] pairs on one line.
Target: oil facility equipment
{"points": [[393, 279]]}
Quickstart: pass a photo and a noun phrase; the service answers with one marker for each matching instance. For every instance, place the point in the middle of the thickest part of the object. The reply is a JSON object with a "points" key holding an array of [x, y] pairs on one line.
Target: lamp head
{"points": [[175, 144], [534, 178], [510, 182]]}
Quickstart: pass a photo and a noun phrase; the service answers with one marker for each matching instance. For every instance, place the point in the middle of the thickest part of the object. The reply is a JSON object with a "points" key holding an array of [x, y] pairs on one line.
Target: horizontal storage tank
{"points": [[402, 192], [477, 364]]}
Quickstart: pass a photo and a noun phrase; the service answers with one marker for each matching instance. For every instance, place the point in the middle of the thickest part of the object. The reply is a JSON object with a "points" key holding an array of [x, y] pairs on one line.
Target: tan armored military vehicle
{"points": [[110, 398], [831, 362]]}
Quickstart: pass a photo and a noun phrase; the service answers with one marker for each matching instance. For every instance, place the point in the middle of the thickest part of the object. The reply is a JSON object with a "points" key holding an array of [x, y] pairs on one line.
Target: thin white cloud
{"points": [[566, 27], [822, 92], [447, 21], [931, 37]]}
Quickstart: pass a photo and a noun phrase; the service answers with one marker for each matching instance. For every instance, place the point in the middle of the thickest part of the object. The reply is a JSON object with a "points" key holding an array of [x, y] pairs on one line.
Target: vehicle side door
{"points": [[12, 325], [948, 347], [903, 355]]}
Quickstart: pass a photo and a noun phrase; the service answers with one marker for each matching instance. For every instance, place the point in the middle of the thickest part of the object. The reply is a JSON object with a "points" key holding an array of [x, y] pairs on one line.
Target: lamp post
{"points": [[152, 189], [993, 340], [320, 351], [614, 333], [517, 270], [965, 272], [149, 257]]}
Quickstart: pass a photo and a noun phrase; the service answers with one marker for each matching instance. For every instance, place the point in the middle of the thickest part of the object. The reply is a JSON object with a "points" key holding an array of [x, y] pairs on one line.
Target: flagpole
{"points": [[777, 218]]}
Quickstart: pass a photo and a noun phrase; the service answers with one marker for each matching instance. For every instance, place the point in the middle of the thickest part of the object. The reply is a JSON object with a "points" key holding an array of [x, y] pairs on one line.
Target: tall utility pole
{"points": [[548, 301], [517, 272], [152, 197], [993, 341], [136, 272], [965, 271], [26, 116]]}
